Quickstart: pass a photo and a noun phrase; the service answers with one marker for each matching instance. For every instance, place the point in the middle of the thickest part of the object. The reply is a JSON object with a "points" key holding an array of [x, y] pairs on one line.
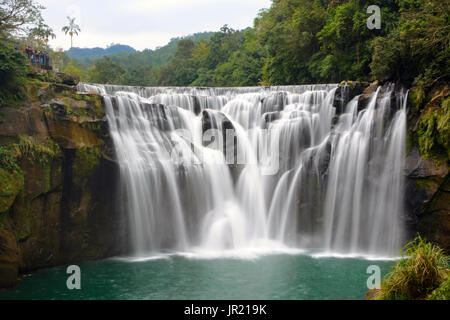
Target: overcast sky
{"points": [[145, 23]]}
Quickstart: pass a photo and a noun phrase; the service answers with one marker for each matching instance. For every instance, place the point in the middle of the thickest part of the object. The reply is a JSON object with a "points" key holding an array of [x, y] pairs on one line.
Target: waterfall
{"points": [[233, 168]]}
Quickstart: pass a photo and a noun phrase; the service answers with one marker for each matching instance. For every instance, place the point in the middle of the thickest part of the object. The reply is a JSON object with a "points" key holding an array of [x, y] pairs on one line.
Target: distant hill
{"points": [[86, 53], [131, 58]]}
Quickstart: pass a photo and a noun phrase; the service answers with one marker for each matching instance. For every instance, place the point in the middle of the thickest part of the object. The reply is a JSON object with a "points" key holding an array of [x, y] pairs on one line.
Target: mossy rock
{"points": [[67, 79], [21, 217], [434, 131], [416, 97], [11, 183], [443, 291], [85, 162], [9, 260]]}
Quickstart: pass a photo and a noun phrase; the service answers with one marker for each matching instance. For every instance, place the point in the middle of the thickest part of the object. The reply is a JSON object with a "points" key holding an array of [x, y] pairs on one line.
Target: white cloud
{"points": [[145, 23]]}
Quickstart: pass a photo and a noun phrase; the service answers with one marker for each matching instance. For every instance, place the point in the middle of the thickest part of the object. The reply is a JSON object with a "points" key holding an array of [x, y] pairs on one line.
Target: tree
{"points": [[41, 32], [244, 67], [288, 31], [73, 70], [12, 69], [105, 71], [180, 70], [59, 59], [145, 76], [71, 29], [16, 17], [222, 45], [418, 48]]}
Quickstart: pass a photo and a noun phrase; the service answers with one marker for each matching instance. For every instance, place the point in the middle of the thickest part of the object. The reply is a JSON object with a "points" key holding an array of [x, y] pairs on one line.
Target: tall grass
{"points": [[443, 291], [421, 270]]}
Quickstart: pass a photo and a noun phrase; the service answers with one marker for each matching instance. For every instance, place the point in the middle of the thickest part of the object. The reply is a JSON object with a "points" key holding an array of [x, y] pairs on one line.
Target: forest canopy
{"points": [[292, 42], [304, 41]]}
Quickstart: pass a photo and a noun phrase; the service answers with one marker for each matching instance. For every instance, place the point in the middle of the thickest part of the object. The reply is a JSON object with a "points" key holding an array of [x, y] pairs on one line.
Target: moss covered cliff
{"points": [[428, 163], [58, 197]]}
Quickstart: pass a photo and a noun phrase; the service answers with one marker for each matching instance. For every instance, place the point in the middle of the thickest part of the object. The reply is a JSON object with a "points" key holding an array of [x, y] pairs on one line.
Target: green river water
{"points": [[275, 276]]}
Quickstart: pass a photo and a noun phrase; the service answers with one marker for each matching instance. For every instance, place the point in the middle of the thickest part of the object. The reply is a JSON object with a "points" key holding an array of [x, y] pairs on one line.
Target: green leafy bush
{"points": [[7, 161], [443, 292], [12, 69]]}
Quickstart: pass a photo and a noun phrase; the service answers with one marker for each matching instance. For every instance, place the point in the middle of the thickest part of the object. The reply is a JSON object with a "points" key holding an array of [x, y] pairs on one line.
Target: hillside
{"points": [[87, 53], [131, 58]]}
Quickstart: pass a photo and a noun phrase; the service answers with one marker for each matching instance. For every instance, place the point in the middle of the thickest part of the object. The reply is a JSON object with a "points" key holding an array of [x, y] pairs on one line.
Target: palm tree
{"points": [[71, 29]]}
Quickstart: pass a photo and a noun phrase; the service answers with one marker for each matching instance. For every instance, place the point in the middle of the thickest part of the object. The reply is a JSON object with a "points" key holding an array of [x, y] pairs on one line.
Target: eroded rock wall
{"points": [[58, 189]]}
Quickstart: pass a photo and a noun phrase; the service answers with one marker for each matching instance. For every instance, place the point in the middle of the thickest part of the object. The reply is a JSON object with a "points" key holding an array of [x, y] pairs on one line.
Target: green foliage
{"points": [[418, 48], [59, 59], [72, 29], [86, 159], [421, 270], [434, 131], [298, 42], [292, 42], [244, 67], [11, 178], [73, 70], [146, 76], [7, 161], [288, 31], [12, 71], [229, 58], [106, 71], [42, 32], [443, 291], [129, 58], [18, 17], [11, 182], [180, 70]]}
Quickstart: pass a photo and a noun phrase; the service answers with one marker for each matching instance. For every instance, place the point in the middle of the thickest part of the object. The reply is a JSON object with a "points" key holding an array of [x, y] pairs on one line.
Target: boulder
{"points": [[427, 198], [68, 79]]}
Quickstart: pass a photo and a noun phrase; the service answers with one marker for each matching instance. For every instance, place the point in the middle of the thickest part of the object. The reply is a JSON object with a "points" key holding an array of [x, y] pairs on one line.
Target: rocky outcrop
{"points": [[428, 165], [347, 90], [428, 198], [58, 187]]}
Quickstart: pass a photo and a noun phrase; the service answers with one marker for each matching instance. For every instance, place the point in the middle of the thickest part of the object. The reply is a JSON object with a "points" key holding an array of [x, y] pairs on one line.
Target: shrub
{"points": [[421, 270], [443, 292], [12, 70], [7, 161]]}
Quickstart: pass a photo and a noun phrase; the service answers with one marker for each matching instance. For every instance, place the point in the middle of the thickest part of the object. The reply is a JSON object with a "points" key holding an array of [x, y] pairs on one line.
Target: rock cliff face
{"points": [[428, 165], [58, 182]]}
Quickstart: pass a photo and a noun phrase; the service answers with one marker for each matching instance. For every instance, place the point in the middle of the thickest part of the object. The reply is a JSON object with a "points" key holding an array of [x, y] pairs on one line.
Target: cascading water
{"points": [[293, 174]]}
